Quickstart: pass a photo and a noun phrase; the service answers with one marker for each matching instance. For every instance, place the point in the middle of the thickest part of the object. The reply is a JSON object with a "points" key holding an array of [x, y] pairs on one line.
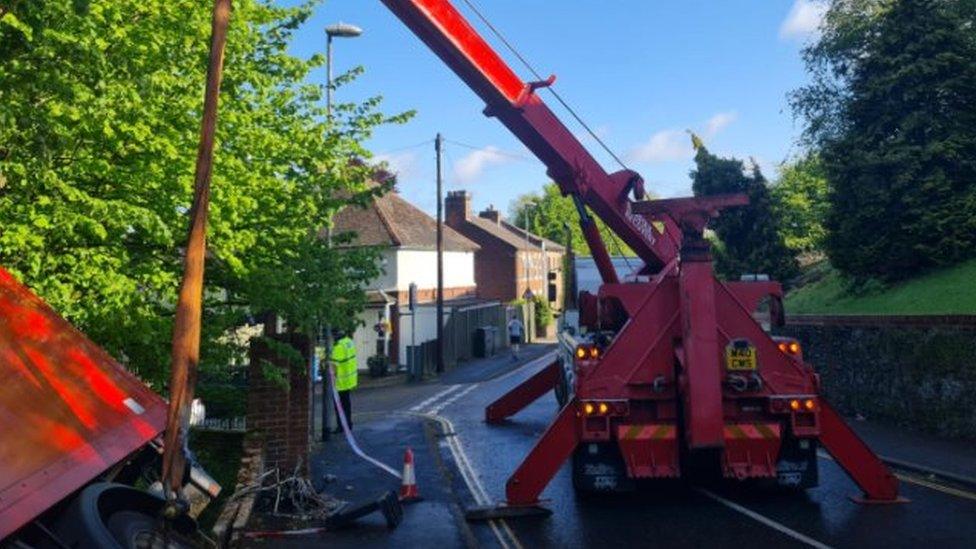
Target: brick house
{"points": [[510, 260], [408, 237]]}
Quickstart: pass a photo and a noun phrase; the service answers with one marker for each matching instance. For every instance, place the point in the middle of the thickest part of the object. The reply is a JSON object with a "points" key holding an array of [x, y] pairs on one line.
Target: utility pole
{"points": [[189, 305], [440, 258], [527, 264]]}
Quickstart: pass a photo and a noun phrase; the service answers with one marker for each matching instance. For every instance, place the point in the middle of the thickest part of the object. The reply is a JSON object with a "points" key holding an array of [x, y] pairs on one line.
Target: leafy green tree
{"points": [[99, 117], [549, 212], [751, 240], [890, 110], [800, 201]]}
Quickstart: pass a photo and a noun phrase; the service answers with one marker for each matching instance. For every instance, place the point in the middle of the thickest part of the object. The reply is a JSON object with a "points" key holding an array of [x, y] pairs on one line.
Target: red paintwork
{"points": [[671, 326], [526, 393], [63, 419], [751, 450], [700, 381], [649, 450], [843, 444], [549, 453]]}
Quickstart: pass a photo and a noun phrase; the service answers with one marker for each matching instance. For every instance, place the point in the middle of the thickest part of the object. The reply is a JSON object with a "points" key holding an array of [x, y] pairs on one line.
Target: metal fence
{"points": [[465, 325]]}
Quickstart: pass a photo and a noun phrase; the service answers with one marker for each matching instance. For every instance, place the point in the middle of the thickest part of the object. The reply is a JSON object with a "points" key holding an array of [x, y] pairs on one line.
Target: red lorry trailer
{"points": [[77, 431], [673, 376]]}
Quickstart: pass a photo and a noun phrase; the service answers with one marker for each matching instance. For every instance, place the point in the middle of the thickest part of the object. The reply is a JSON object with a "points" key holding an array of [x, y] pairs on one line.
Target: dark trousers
{"points": [[346, 409]]}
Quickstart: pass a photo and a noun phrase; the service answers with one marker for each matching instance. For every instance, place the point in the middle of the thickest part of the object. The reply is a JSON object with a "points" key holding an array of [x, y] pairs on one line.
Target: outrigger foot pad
{"points": [[501, 511]]}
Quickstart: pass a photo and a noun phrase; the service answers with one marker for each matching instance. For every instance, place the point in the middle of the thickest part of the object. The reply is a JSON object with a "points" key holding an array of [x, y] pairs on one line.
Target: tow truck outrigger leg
{"points": [[524, 486], [854, 456], [524, 393]]}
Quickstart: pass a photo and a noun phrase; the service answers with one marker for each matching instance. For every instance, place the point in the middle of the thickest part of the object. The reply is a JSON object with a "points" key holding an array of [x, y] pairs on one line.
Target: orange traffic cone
{"points": [[408, 489]]}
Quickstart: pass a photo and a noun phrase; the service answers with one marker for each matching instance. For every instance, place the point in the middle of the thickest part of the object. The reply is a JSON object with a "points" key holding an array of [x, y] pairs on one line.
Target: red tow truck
{"points": [[670, 375]]}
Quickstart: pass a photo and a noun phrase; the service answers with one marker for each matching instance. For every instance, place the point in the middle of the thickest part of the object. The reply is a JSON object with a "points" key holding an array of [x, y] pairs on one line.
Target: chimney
{"points": [[491, 214], [457, 208]]}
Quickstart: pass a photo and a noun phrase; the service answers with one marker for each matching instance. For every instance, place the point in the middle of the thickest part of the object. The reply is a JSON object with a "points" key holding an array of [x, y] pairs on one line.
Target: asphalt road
{"points": [[474, 460]]}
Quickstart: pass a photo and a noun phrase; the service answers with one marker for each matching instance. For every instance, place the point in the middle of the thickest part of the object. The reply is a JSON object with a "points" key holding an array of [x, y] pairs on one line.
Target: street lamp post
{"points": [[528, 261], [340, 30]]}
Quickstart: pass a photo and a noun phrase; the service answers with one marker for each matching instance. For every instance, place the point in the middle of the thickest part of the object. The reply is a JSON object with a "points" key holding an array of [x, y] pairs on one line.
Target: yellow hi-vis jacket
{"points": [[344, 357]]}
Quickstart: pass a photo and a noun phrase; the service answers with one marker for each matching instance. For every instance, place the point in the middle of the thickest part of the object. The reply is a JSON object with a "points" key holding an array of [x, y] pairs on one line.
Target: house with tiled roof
{"points": [[511, 262], [408, 238]]}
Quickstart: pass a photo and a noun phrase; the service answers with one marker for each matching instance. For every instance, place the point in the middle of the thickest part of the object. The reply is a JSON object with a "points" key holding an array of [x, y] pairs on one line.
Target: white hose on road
{"points": [[345, 429]]}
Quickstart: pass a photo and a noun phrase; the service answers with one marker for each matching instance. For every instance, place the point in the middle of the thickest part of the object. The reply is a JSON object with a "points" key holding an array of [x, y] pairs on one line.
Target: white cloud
{"points": [[803, 20], [673, 145], [405, 165], [663, 146], [471, 166], [718, 123]]}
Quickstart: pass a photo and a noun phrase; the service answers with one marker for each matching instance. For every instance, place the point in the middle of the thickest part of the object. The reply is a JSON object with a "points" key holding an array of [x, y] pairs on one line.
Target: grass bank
{"points": [[948, 291]]}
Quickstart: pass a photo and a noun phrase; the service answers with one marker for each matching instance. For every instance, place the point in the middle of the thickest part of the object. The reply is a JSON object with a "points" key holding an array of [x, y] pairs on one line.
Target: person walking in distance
{"points": [[346, 374], [515, 332]]}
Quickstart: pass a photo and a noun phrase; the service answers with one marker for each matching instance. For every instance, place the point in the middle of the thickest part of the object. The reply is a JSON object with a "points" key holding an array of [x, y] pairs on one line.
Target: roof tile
{"points": [[389, 220]]}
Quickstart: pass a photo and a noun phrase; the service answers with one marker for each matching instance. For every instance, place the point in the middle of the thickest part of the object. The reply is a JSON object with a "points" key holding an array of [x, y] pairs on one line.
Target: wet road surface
{"points": [[464, 462], [679, 515]]}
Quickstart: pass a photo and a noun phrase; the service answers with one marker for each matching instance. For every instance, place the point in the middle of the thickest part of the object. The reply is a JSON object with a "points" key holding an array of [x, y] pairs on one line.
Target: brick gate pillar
{"points": [[280, 412]]}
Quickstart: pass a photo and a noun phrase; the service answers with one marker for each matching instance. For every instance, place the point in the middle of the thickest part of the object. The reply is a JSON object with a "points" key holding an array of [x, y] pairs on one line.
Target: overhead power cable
{"points": [[407, 148], [538, 76], [494, 150]]}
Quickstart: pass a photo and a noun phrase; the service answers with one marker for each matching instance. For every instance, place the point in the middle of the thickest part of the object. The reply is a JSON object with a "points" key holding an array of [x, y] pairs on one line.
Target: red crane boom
{"points": [[517, 105]]}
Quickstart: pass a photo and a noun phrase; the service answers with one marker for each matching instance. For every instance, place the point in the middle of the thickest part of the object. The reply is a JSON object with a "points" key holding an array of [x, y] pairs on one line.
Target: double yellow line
{"points": [[921, 481]]}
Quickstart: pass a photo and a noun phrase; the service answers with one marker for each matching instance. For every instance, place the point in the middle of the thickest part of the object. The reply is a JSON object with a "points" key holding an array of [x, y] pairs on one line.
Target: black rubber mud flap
{"points": [[598, 468], [797, 467]]}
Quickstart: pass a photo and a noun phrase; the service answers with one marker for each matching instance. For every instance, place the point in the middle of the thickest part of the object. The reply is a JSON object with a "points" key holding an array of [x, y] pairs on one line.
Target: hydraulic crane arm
{"points": [[515, 103]]}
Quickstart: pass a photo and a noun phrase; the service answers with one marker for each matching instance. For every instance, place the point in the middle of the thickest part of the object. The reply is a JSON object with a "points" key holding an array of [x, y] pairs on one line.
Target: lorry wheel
{"points": [[119, 516], [562, 387]]}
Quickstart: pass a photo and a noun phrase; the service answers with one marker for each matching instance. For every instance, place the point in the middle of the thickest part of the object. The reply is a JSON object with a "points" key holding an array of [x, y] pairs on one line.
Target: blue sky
{"points": [[640, 72]]}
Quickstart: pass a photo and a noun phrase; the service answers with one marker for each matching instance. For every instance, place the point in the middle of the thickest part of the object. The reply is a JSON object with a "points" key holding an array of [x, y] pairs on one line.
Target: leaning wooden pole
{"points": [[186, 326]]}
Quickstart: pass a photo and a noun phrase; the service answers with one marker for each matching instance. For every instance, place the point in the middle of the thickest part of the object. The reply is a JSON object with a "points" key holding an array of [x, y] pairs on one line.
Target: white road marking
{"points": [[434, 398], [453, 399], [763, 519], [498, 527], [441, 400]]}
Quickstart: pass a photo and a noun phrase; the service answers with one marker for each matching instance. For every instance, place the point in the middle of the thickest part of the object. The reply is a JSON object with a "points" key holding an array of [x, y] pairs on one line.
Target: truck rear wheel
{"points": [[562, 386], [119, 516]]}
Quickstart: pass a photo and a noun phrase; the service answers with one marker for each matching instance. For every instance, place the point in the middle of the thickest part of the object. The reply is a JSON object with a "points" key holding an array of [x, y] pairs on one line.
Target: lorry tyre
{"points": [[106, 515], [562, 386]]}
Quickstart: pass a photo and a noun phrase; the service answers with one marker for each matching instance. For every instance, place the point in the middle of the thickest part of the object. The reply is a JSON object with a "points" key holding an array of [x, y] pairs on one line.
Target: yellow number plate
{"points": [[740, 355]]}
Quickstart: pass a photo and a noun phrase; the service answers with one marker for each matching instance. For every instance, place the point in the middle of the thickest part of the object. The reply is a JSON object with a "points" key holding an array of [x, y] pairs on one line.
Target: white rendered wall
{"points": [[387, 280], [420, 268]]}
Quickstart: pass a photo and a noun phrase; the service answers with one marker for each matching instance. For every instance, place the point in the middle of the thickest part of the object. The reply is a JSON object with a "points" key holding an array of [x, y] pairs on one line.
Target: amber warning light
{"points": [[790, 347], [587, 352]]}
